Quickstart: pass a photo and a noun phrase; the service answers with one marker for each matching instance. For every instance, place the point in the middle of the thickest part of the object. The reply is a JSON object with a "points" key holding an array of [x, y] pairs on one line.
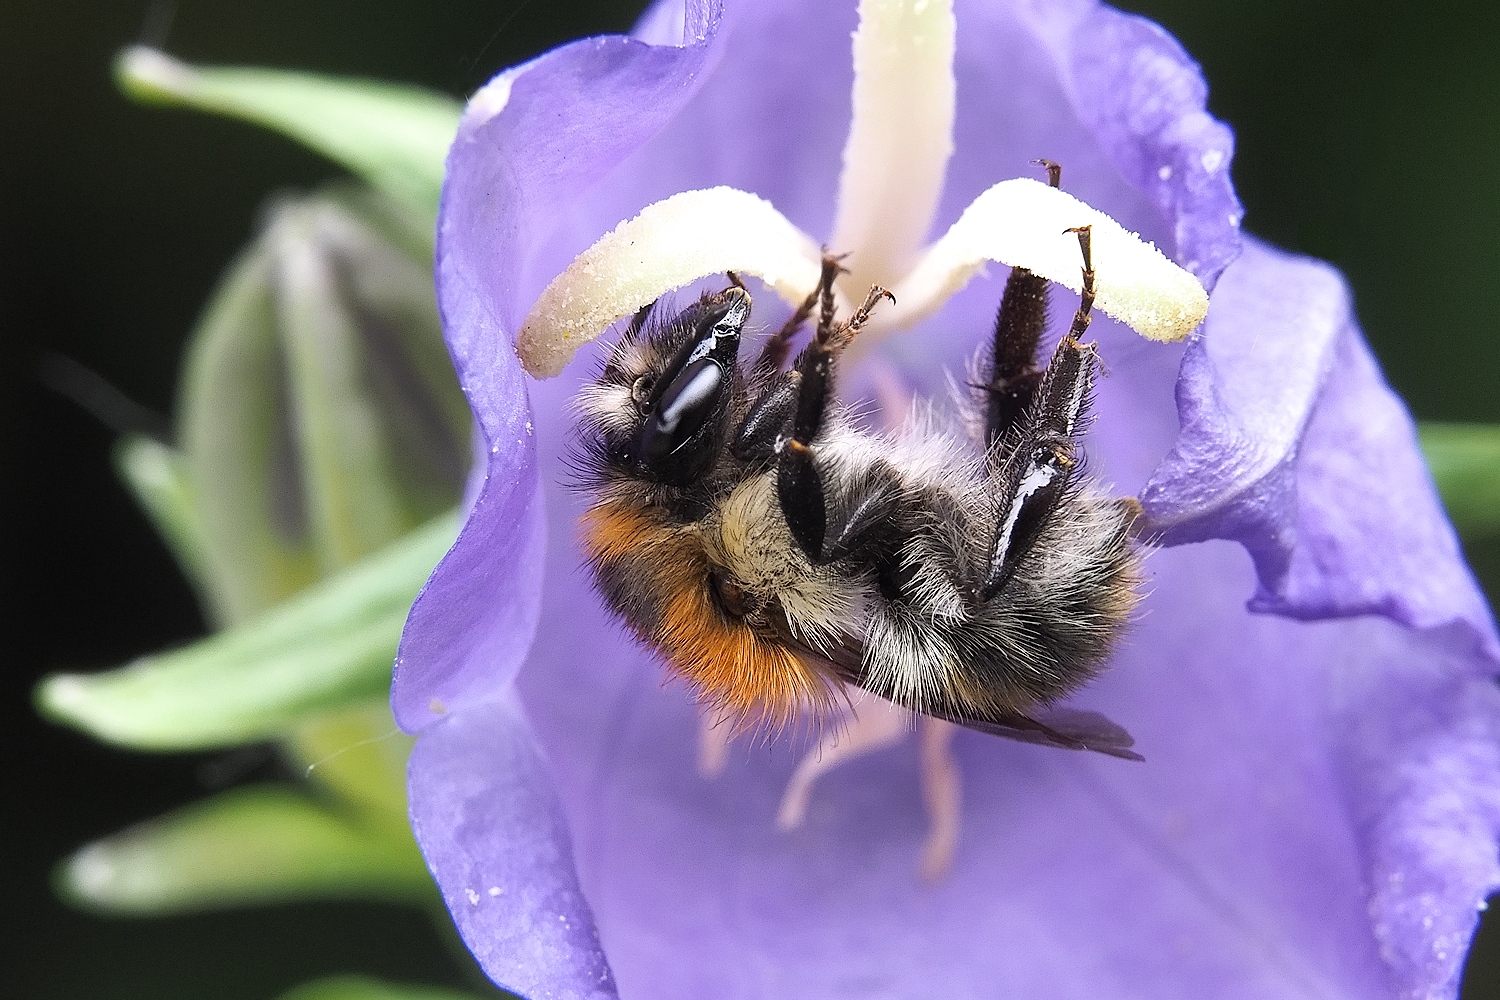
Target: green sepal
{"points": [[258, 844], [1465, 463], [329, 645], [394, 136], [365, 988], [157, 474]]}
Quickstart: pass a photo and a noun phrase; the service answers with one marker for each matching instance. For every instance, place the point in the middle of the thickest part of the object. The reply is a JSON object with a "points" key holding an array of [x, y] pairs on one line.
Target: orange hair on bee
{"points": [[731, 667]]}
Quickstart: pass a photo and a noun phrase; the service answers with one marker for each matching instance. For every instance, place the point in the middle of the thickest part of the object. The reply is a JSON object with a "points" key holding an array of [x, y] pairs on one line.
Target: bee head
{"points": [[660, 406]]}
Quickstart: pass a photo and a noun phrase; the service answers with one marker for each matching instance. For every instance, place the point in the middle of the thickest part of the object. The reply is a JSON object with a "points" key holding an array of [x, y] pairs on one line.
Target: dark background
{"points": [[1369, 140]]}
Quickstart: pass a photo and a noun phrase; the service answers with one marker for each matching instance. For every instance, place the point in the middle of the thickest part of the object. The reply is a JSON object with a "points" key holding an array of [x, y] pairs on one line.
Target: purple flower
{"points": [[1319, 808]]}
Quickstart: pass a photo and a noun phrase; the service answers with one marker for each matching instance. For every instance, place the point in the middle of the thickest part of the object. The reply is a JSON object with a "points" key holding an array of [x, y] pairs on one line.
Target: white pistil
{"points": [[699, 233], [899, 141], [670, 244]]}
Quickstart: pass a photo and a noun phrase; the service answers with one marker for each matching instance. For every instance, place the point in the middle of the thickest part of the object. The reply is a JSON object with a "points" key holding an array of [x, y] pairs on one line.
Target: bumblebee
{"points": [[746, 528]]}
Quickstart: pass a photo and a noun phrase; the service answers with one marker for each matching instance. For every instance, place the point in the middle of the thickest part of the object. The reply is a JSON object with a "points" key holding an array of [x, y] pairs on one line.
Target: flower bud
{"points": [[319, 416]]}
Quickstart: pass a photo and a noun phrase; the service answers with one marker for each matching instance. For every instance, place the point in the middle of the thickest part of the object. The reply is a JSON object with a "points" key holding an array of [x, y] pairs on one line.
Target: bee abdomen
{"points": [[932, 644]]}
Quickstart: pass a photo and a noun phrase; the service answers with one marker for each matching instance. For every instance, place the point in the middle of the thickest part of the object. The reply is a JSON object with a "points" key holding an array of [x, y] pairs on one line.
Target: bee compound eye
{"points": [[689, 399], [670, 445]]}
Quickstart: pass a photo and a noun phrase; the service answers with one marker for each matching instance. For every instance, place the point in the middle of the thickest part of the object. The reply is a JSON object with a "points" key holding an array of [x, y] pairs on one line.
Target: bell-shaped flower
{"points": [[1318, 809]]}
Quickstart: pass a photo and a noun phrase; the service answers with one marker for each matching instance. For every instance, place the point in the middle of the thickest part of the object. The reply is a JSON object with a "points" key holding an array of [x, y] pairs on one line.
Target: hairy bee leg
{"points": [[799, 488], [756, 438], [799, 485], [1037, 476], [1013, 377], [1054, 172], [942, 795], [1011, 381], [873, 724]]}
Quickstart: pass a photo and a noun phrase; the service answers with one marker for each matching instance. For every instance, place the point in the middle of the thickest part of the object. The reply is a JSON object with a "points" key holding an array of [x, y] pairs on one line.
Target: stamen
{"points": [[715, 733], [672, 243], [942, 794], [900, 139], [871, 725], [1025, 223]]}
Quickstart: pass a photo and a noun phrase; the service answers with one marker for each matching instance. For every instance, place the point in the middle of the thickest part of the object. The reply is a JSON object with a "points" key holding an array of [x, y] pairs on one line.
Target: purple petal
{"points": [[529, 142], [1422, 779], [1283, 778], [1293, 445], [1145, 100], [485, 815], [1317, 816]]}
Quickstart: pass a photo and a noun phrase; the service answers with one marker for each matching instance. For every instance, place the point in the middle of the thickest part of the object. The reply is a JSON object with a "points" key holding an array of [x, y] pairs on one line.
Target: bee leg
{"points": [[1011, 375], [764, 426], [756, 438], [1035, 477], [779, 345], [799, 484]]}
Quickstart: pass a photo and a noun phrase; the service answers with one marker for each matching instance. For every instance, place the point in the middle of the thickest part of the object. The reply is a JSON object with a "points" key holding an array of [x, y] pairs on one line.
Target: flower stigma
{"points": [[887, 198]]}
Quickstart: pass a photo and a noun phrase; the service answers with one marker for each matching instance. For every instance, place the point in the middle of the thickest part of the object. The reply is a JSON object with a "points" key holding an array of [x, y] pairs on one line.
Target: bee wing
{"points": [[1068, 728]]}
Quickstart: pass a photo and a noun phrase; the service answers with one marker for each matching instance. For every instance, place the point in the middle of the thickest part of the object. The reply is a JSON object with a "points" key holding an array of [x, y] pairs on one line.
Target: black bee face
{"points": [[661, 404]]}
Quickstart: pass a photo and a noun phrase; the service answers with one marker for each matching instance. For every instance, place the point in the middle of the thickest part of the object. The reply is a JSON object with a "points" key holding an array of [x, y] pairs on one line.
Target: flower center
{"points": [[894, 161]]}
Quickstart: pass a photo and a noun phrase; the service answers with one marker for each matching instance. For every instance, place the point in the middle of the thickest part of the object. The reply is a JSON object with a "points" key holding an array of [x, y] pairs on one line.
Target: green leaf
{"points": [[265, 844], [394, 136], [365, 988], [331, 644], [158, 477], [1465, 463]]}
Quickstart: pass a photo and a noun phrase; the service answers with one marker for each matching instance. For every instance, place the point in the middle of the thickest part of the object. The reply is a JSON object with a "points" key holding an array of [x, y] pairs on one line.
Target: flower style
{"points": [[1319, 809]]}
